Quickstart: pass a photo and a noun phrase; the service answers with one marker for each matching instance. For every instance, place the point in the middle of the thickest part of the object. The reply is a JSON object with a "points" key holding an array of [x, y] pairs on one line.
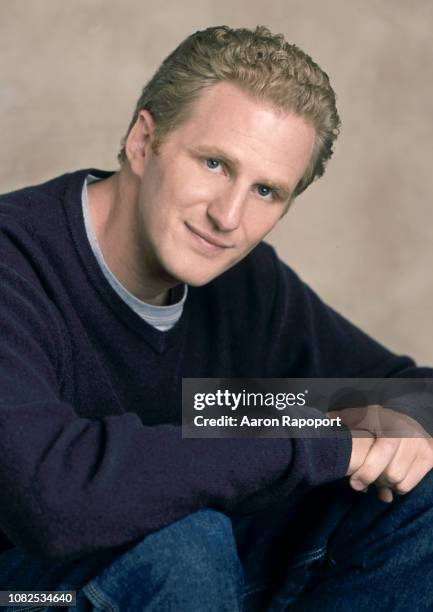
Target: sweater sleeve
{"points": [[73, 485], [315, 341]]}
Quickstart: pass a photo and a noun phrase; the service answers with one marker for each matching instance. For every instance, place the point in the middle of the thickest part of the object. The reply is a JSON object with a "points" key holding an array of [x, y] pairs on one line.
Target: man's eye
{"points": [[264, 191], [213, 164]]}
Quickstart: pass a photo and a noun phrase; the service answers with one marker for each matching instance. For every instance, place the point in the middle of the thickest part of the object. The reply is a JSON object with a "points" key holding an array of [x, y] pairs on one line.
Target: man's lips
{"points": [[207, 237]]}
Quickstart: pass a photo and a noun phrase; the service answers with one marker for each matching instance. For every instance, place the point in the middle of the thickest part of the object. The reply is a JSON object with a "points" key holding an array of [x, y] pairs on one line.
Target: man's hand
{"points": [[394, 451]]}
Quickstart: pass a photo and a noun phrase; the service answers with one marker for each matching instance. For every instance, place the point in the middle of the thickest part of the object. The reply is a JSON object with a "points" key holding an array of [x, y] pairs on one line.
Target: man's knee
{"points": [[200, 544], [189, 563]]}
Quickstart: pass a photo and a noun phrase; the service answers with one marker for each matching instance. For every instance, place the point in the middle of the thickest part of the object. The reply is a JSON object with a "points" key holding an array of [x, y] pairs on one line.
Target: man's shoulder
{"points": [[31, 204], [33, 227], [39, 217]]}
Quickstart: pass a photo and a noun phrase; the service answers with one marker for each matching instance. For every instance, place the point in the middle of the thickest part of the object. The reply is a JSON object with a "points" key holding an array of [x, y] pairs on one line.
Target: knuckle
{"points": [[388, 444], [394, 476], [402, 488], [368, 473]]}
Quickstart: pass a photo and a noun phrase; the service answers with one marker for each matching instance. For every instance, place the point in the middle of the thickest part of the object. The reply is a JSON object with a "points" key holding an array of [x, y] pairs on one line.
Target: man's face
{"points": [[219, 183]]}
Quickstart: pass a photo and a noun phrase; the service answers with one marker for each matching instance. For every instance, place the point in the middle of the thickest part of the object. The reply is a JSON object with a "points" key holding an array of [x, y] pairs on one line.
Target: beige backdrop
{"points": [[71, 70]]}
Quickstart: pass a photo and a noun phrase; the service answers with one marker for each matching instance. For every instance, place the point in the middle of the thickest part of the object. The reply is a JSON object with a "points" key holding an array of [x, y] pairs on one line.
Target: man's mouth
{"points": [[207, 241]]}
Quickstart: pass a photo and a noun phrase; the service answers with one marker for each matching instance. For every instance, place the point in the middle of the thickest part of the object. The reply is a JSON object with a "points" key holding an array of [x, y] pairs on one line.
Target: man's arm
{"points": [[74, 485], [315, 341]]}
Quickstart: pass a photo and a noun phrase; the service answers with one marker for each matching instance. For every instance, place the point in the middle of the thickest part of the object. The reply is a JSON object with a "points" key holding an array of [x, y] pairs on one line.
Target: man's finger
{"points": [[378, 458], [417, 472], [385, 494], [400, 465]]}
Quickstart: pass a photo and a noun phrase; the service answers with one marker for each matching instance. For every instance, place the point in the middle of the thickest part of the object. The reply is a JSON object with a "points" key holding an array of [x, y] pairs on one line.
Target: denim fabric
{"points": [[334, 550], [352, 552], [377, 557], [190, 565]]}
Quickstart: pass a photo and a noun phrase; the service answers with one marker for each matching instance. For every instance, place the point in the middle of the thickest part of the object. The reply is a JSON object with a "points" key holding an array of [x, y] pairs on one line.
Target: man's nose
{"points": [[227, 208]]}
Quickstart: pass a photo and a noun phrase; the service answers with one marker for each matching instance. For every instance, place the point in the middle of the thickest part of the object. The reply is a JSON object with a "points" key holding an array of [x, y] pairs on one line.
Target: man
{"points": [[117, 285]]}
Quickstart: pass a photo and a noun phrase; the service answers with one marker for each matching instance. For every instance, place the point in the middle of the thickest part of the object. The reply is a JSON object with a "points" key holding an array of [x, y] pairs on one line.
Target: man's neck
{"points": [[112, 206]]}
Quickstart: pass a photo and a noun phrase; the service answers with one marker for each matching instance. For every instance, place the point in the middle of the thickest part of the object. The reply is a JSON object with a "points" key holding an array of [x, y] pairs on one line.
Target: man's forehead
{"points": [[226, 110], [228, 123], [222, 99]]}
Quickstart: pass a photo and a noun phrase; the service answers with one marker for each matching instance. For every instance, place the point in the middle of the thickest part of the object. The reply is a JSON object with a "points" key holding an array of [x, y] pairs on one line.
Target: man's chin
{"points": [[196, 281]]}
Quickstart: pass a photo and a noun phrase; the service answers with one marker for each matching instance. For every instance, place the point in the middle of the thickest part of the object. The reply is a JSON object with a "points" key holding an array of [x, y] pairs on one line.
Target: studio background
{"points": [[361, 236]]}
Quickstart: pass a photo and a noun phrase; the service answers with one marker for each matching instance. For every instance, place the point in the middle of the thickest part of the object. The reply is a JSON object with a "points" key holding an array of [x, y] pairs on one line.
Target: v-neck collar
{"points": [[159, 340]]}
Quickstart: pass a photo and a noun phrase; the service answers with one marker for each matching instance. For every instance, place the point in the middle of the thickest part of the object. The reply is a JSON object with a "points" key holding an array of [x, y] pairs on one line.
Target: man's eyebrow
{"points": [[213, 151], [284, 191]]}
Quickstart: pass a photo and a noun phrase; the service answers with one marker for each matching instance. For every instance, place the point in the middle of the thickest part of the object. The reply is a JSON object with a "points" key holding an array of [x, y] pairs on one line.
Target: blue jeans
{"points": [[331, 550]]}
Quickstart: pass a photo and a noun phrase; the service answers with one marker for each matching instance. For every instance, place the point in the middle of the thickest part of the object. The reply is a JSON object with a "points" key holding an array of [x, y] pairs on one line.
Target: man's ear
{"points": [[139, 141]]}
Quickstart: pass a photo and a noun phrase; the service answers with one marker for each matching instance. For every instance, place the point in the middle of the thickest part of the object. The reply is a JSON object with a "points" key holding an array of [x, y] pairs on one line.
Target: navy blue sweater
{"points": [[90, 394]]}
